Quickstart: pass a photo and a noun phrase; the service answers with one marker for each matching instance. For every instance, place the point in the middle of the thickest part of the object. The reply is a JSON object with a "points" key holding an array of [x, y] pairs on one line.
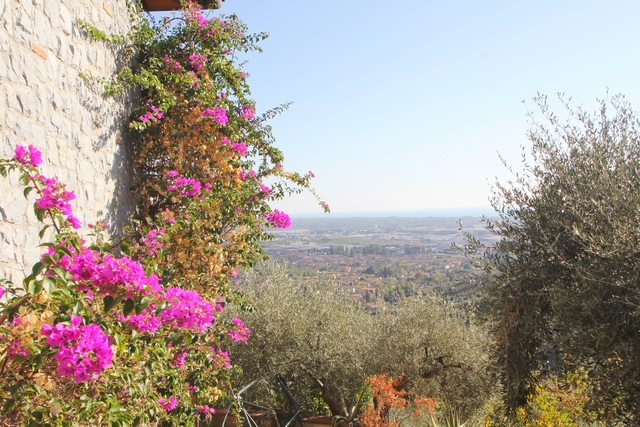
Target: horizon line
{"points": [[404, 213]]}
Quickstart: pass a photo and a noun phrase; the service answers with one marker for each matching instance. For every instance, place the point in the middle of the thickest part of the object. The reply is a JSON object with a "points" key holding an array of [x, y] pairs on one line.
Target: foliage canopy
{"points": [[561, 284]]}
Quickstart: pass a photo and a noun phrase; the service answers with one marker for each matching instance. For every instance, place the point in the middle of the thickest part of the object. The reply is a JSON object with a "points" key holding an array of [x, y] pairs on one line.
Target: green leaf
{"points": [[49, 284], [35, 287], [129, 305], [26, 191], [110, 302], [143, 304], [39, 212], [37, 269], [78, 308], [43, 230]]}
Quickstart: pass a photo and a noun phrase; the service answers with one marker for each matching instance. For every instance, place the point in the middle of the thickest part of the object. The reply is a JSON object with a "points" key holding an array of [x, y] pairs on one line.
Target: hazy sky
{"points": [[406, 104]]}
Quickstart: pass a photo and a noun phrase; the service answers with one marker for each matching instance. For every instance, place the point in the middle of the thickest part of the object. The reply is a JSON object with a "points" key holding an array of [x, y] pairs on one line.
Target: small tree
{"points": [[562, 282]]}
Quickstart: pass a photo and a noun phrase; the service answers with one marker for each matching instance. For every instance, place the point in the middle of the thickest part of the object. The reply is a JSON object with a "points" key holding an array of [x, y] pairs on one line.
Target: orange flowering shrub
{"points": [[388, 394], [205, 164]]}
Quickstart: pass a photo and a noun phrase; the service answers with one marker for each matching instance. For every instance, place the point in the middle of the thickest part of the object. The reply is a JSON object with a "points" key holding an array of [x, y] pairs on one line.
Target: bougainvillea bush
{"points": [[205, 163], [94, 337], [125, 332]]}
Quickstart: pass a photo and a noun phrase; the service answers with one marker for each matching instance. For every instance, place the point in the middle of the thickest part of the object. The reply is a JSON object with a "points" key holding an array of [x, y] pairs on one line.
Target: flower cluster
{"points": [[84, 351], [247, 112], [187, 310], [152, 242], [189, 187], [172, 64], [220, 358], [278, 219], [55, 197], [240, 333], [28, 156], [154, 114], [197, 61], [217, 114], [169, 404], [105, 275]]}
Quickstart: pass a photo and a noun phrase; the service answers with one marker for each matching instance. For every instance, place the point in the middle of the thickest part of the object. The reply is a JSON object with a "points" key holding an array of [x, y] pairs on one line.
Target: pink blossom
{"points": [[146, 321], [84, 351], [241, 333], [179, 360], [233, 274], [193, 78], [247, 112], [220, 358], [15, 348], [55, 197], [152, 242], [169, 404], [152, 115], [311, 174], [29, 156], [167, 215], [265, 189], [278, 219], [187, 310], [206, 410], [172, 64], [172, 173], [217, 114], [197, 61], [106, 275], [240, 148]]}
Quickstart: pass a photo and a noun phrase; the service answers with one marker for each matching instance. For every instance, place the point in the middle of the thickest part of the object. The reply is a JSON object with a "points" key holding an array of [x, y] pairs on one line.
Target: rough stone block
{"points": [[66, 19]]}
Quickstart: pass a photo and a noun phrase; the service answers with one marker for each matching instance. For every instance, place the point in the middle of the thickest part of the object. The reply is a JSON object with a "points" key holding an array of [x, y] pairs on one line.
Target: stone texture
{"points": [[44, 102]]}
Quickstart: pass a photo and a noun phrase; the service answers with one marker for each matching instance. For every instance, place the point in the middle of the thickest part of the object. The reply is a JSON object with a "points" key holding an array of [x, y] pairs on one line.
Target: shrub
{"points": [[561, 283], [93, 337], [327, 345], [205, 164]]}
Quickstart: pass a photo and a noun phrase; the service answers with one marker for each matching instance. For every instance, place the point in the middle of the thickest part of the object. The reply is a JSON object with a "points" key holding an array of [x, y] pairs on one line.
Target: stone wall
{"points": [[45, 102]]}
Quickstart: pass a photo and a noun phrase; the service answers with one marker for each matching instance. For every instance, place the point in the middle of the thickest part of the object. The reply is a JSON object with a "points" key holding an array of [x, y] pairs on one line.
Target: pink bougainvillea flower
{"points": [[197, 61], [217, 114], [54, 196], [84, 351], [169, 404], [240, 148], [278, 219], [206, 410], [187, 310], [265, 189], [29, 156], [247, 112], [240, 333], [220, 358]]}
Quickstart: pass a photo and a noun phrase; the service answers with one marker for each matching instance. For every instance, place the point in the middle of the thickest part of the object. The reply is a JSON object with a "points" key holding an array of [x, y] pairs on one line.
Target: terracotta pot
{"points": [[262, 418], [317, 421], [158, 5]]}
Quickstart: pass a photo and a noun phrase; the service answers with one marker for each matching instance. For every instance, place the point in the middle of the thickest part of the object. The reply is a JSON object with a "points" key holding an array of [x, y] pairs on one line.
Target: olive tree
{"points": [[310, 333], [326, 345], [561, 283]]}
